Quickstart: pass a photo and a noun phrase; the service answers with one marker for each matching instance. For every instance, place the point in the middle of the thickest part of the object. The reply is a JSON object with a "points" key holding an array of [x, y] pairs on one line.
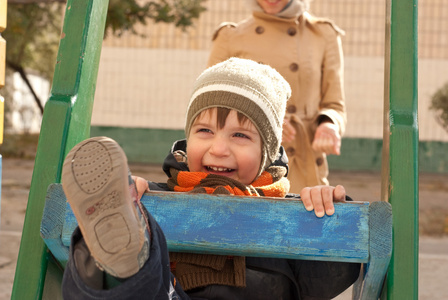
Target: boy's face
{"points": [[233, 151]]}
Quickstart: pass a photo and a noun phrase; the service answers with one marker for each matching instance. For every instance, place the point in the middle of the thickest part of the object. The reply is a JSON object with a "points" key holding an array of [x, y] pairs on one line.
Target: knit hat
{"points": [[257, 91]]}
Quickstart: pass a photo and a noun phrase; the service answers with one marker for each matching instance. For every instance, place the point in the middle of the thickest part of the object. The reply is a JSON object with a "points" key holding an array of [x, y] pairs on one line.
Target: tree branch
{"points": [[19, 69]]}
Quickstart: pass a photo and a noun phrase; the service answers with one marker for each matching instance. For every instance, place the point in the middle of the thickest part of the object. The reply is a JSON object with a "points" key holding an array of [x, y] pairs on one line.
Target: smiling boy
{"points": [[233, 129], [231, 148]]}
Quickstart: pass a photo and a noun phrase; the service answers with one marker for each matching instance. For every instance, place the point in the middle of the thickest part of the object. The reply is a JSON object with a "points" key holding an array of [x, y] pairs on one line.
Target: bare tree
{"points": [[34, 29]]}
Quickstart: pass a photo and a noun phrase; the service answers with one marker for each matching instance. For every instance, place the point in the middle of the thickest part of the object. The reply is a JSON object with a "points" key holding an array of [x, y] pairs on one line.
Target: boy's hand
{"points": [[141, 185], [321, 198]]}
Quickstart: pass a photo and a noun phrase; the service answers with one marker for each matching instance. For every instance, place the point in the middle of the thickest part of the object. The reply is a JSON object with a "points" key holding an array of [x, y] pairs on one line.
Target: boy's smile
{"points": [[233, 151]]}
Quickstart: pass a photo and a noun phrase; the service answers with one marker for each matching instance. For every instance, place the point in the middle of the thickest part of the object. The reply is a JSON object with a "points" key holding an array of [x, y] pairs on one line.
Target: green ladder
{"points": [[66, 121]]}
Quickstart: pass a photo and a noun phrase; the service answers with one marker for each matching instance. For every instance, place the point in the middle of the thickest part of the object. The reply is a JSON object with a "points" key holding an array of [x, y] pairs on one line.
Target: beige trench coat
{"points": [[307, 51]]}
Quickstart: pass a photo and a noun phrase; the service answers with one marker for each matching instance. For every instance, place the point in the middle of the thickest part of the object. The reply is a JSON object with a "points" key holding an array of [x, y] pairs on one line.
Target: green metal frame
{"points": [[400, 146], [66, 121], [67, 116]]}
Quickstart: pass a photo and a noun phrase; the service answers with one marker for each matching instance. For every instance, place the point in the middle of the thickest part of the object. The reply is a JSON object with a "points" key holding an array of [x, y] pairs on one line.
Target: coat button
{"points": [[291, 109], [319, 161], [292, 31], [294, 67], [259, 29], [290, 151]]}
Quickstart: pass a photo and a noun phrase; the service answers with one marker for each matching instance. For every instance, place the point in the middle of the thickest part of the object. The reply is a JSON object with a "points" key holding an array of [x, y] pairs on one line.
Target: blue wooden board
{"points": [[254, 226]]}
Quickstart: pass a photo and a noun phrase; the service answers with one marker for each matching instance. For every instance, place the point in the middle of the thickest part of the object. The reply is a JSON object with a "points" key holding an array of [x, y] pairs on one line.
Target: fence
{"points": [[145, 82]]}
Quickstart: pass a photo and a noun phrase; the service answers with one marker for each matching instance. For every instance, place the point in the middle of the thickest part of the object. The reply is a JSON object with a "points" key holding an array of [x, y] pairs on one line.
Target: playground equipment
{"points": [[66, 122]]}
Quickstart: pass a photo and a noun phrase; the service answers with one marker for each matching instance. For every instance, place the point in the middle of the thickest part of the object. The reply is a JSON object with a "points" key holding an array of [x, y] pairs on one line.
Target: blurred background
{"points": [[152, 53], [146, 73]]}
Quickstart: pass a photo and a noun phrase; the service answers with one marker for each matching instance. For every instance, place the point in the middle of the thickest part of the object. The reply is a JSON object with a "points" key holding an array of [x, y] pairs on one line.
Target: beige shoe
{"points": [[96, 183]]}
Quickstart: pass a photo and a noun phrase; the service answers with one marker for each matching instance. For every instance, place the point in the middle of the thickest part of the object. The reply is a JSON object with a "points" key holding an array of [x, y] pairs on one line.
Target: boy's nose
{"points": [[219, 147]]}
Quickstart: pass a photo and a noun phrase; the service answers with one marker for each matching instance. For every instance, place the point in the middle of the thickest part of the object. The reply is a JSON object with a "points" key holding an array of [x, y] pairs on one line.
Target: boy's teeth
{"points": [[219, 169]]}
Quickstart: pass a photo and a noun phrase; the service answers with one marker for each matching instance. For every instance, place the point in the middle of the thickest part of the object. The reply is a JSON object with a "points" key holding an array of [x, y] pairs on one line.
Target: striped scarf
{"points": [[271, 183]]}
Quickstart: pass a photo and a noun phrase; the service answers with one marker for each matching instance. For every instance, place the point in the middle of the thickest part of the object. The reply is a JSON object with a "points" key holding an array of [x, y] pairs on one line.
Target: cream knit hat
{"points": [[257, 91]]}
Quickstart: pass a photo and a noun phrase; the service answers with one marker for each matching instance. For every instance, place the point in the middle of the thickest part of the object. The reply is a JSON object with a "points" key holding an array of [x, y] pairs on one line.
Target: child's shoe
{"points": [[103, 198]]}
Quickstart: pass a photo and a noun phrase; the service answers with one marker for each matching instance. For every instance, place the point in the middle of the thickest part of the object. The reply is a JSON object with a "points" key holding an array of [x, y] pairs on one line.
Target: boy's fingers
{"points": [[327, 199], [339, 193], [322, 198], [305, 195], [317, 200], [141, 186]]}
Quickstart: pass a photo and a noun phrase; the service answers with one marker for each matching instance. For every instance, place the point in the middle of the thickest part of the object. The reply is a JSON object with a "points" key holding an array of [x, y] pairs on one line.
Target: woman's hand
{"points": [[327, 139], [289, 133]]}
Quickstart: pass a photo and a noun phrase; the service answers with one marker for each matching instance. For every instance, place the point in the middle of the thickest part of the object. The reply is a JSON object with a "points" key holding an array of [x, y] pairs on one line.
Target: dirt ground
{"points": [[433, 210]]}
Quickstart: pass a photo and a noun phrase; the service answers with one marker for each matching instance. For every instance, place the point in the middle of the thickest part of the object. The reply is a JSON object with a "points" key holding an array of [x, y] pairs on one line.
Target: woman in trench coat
{"points": [[307, 51]]}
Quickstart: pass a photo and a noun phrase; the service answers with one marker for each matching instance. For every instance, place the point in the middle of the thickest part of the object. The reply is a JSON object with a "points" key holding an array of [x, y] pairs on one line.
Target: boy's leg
{"points": [[96, 182], [322, 280]]}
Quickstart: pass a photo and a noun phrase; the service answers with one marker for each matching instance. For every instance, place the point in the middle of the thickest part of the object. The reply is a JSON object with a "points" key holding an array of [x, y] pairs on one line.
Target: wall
{"points": [[144, 82]]}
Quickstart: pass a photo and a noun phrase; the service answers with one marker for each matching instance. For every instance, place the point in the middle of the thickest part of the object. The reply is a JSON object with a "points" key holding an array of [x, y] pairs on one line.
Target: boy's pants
{"points": [[312, 279]]}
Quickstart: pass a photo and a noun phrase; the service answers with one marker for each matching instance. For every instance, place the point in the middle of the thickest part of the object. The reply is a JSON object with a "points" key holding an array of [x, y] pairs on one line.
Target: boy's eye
{"points": [[241, 135], [204, 130]]}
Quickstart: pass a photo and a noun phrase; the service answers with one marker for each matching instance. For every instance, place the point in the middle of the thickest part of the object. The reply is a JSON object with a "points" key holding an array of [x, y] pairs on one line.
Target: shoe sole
{"points": [[95, 182]]}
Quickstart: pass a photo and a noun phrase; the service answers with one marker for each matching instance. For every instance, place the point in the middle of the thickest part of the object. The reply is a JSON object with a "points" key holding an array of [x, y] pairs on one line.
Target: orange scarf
{"points": [[271, 183]]}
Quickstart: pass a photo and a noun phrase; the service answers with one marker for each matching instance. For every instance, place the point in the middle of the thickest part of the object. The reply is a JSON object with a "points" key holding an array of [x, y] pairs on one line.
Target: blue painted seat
{"points": [[254, 226]]}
